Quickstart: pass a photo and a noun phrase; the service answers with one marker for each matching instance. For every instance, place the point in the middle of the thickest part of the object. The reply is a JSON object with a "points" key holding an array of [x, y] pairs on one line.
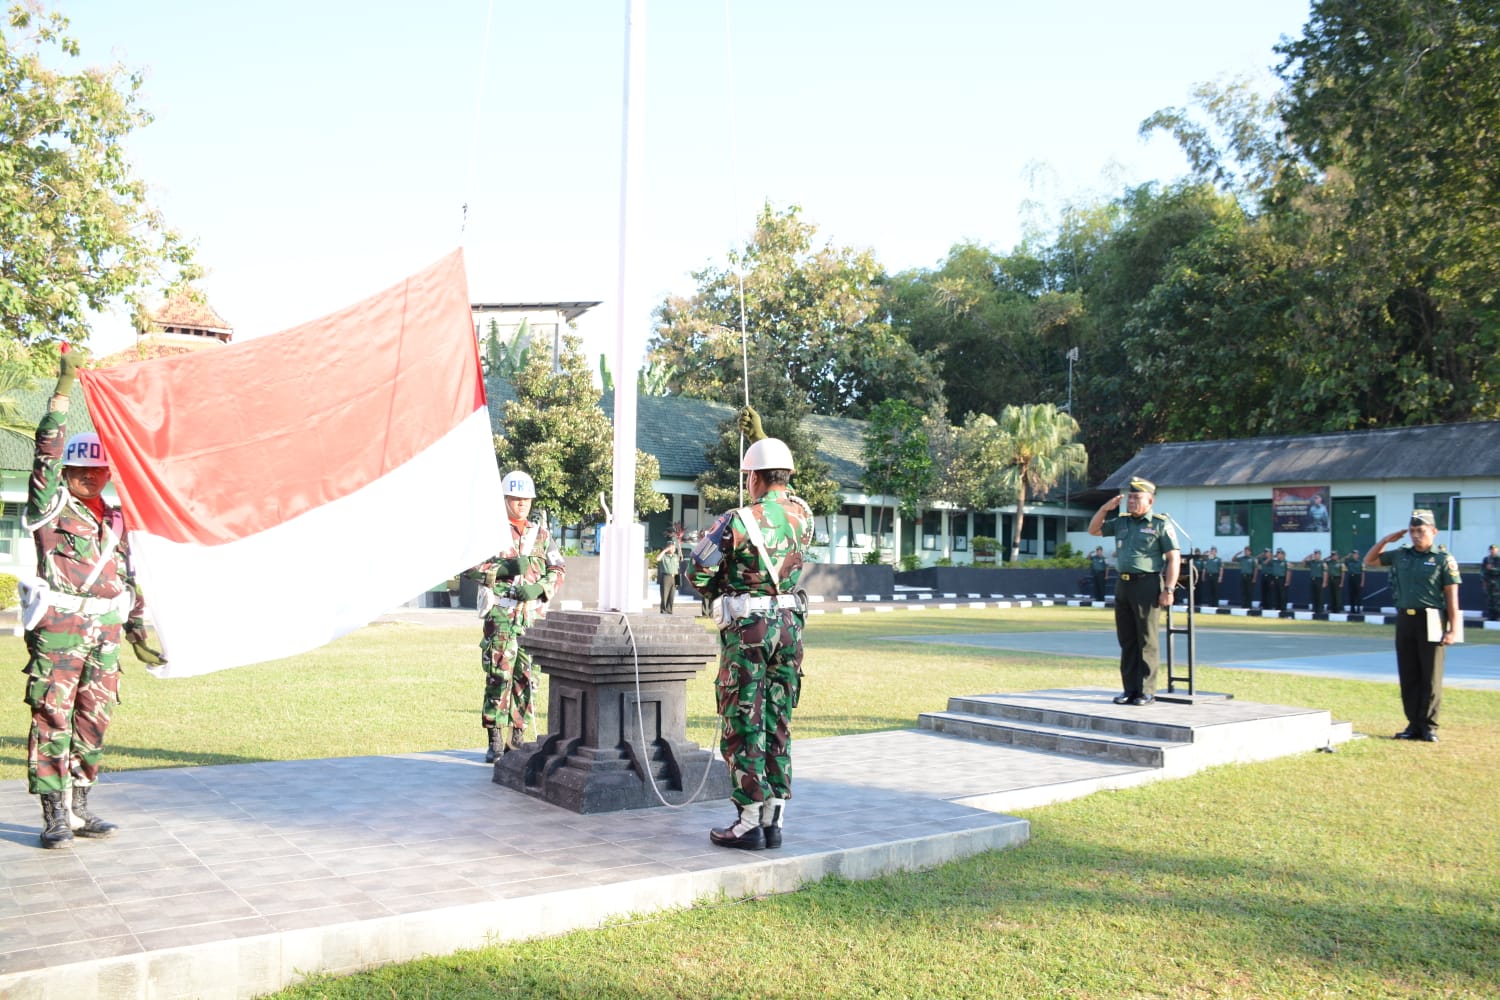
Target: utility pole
{"points": [[1067, 477]]}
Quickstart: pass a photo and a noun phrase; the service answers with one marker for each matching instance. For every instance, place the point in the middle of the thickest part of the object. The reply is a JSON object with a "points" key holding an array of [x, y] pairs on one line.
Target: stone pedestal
{"points": [[594, 758]]}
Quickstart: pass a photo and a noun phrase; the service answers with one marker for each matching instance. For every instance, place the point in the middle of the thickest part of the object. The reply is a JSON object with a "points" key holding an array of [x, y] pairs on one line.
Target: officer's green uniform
{"points": [[1247, 579], [1335, 583], [1212, 566], [1099, 568], [760, 651], [1354, 580], [1316, 569], [666, 578], [1143, 546], [1276, 573], [1490, 569], [1417, 582]]}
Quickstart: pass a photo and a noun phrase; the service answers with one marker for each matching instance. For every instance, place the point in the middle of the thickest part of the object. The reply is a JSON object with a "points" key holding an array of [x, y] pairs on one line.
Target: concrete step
{"points": [[1124, 721], [1138, 750]]}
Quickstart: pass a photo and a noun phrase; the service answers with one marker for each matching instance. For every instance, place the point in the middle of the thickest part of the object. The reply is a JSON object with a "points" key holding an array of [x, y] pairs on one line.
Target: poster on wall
{"points": [[1299, 508]]}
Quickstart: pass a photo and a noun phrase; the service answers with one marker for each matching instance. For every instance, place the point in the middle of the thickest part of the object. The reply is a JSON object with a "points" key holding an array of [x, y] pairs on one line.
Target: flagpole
{"points": [[622, 575]]}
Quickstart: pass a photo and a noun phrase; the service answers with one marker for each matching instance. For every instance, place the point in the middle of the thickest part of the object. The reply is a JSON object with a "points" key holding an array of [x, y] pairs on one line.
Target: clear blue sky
{"points": [[319, 150]]}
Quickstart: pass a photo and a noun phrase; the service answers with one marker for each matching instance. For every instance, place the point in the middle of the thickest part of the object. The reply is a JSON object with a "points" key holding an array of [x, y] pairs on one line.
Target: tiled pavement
{"points": [[234, 881]]}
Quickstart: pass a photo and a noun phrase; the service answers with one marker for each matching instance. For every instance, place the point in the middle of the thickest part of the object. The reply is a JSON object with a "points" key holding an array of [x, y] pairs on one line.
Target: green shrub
{"points": [[911, 562], [8, 596], [872, 558]]}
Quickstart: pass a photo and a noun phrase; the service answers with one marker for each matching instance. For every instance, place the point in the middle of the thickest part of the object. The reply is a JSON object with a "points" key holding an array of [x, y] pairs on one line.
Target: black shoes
{"points": [[1421, 736], [1121, 699], [1133, 699], [1406, 734], [750, 840]]}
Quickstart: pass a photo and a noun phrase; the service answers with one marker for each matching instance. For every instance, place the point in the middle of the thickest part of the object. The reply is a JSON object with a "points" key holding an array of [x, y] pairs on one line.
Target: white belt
{"points": [[785, 601], [511, 602], [85, 605]]}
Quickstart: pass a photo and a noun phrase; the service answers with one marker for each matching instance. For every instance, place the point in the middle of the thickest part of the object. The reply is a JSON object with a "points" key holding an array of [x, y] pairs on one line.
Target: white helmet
{"points": [[518, 484], [83, 450], [767, 453]]}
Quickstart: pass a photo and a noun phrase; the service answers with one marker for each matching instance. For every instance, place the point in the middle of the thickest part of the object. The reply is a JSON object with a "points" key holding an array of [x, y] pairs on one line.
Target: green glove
{"points": [[528, 591], [508, 567], [67, 369], [750, 424], [147, 655]]}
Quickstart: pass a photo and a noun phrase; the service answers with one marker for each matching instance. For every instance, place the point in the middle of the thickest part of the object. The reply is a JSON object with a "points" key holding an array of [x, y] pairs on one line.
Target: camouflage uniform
{"points": [[509, 682], [760, 653], [73, 673]]}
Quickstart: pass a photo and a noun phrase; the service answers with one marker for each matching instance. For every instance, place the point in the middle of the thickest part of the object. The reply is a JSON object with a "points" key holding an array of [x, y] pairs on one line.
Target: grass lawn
{"points": [[1371, 872]]}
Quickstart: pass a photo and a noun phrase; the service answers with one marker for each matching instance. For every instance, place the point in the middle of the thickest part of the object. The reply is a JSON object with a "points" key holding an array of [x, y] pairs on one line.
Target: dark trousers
{"points": [[1246, 591], [1136, 617], [1419, 666], [1098, 586], [1209, 592], [1316, 586], [1356, 596], [1278, 593], [668, 585]]}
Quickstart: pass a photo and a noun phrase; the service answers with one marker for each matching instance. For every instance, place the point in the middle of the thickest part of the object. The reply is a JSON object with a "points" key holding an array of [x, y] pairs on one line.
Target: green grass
{"points": [[1371, 872]]}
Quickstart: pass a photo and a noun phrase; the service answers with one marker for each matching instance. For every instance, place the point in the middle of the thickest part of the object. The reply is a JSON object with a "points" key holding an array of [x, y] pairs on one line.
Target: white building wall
{"points": [[1193, 510]]}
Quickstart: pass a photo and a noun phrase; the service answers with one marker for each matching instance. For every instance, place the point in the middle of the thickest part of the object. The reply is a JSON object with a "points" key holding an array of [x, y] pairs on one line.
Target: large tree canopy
{"points": [[815, 319], [76, 230]]}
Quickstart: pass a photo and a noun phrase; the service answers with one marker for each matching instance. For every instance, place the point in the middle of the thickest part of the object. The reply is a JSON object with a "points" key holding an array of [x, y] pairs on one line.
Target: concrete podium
{"points": [[594, 759]]}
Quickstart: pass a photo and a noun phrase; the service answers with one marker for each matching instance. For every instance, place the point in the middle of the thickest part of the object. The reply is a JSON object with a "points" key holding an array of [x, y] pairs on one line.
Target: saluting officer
{"points": [[1423, 576], [1148, 564], [1098, 569], [1335, 581], [1213, 575], [749, 563]]}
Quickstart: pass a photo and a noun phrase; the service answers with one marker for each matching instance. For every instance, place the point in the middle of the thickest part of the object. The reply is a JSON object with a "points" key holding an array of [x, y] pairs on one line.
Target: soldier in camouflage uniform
{"points": [[749, 564], [515, 586], [74, 611], [1423, 576]]}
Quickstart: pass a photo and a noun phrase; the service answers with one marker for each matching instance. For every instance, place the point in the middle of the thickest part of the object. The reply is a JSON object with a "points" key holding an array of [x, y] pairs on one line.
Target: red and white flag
{"points": [[289, 489]]}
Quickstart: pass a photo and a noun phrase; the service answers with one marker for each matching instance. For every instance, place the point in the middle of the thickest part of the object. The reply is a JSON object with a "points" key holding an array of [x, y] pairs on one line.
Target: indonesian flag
{"points": [[289, 489]]}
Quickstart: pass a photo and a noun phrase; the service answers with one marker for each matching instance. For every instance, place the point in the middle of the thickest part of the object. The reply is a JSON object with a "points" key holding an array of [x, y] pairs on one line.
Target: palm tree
{"points": [[1036, 448]]}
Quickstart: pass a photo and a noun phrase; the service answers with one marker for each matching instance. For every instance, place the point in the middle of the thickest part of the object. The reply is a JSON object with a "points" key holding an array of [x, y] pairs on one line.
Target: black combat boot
{"points": [[497, 744], [743, 833], [55, 829], [85, 823], [770, 821]]}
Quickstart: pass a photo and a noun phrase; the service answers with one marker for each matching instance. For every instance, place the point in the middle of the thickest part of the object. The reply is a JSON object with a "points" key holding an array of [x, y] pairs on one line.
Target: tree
{"points": [[992, 327], [1020, 456], [780, 418], [815, 320], [556, 432], [76, 230], [898, 461]]}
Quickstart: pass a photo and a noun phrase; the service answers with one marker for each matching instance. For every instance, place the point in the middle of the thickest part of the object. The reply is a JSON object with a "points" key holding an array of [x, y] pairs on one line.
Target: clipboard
{"points": [[1435, 626]]}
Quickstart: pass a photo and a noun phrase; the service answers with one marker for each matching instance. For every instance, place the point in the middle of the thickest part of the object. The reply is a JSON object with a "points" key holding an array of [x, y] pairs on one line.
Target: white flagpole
{"points": [[622, 573]]}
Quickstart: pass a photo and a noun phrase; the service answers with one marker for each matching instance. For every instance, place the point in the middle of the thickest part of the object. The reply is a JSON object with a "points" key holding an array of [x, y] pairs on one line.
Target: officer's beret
{"points": [[1422, 516], [1139, 485]]}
